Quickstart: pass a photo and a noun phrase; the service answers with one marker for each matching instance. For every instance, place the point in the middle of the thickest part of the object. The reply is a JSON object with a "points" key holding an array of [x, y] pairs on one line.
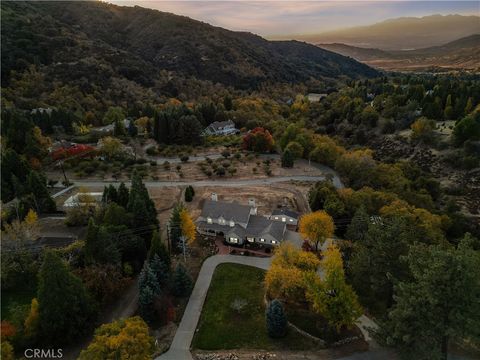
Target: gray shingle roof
{"points": [[221, 124], [229, 211], [260, 225], [286, 212]]}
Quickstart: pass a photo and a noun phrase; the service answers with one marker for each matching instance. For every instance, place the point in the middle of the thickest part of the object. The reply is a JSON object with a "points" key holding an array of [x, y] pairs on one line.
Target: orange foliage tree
{"points": [[258, 140], [188, 226]]}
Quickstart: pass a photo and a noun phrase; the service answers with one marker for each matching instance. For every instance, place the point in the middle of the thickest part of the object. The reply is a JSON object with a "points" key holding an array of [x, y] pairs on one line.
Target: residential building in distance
{"points": [[239, 224], [221, 128], [313, 97]]}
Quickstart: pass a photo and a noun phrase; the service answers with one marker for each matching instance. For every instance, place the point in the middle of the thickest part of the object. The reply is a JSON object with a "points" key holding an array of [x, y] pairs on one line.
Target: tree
{"points": [[316, 227], [119, 128], [116, 215], [65, 309], [147, 278], [376, 262], [358, 227], [161, 271], [423, 129], [467, 129], [333, 298], [276, 319], [258, 140], [122, 195], [113, 114], [175, 225], [149, 289], [158, 248], [99, 245], [123, 339], [189, 193], [7, 352], [182, 282], [37, 185], [295, 148], [21, 231], [188, 226], [228, 102], [440, 303], [111, 147], [31, 322], [287, 159]]}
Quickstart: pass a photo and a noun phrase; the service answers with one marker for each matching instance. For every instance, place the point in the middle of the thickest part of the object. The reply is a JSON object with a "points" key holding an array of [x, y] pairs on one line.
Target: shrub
{"points": [[184, 158], [166, 165], [276, 320]]}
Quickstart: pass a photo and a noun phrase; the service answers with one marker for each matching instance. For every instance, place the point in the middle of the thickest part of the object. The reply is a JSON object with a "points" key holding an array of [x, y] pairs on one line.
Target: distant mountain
{"points": [[403, 33], [463, 53], [137, 43]]}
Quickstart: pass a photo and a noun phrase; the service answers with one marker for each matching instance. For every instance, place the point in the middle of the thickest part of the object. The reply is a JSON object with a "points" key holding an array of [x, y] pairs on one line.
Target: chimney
{"points": [[214, 197], [253, 207]]}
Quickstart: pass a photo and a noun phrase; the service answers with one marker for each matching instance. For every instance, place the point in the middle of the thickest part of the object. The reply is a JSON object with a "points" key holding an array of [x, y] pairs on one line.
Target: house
{"points": [[239, 224], [91, 199], [109, 129], [221, 128], [289, 217], [313, 97]]}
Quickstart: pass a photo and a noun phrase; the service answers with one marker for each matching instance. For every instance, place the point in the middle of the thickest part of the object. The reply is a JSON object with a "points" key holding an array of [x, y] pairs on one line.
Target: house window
{"points": [[209, 220], [276, 217], [232, 223], [221, 221], [274, 242], [284, 219], [234, 240], [250, 239], [291, 220], [262, 239]]}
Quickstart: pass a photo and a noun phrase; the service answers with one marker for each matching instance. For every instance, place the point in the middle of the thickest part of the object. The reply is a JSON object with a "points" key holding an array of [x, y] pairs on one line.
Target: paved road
{"points": [[180, 348], [219, 182]]}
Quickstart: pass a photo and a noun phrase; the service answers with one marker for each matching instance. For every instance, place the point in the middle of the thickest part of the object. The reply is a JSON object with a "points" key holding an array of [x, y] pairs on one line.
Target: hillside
{"points": [[403, 33], [85, 39], [463, 53]]}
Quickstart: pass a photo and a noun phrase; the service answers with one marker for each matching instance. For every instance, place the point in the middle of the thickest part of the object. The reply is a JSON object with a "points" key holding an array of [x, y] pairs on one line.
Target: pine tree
{"points": [[287, 159], [146, 300], [158, 248], [189, 193], [182, 282], [175, 224], [122, 195], [37, 185], [161, 271], [358, 227], [65, 309], [148, 279], [276, 319], [438, 304]]}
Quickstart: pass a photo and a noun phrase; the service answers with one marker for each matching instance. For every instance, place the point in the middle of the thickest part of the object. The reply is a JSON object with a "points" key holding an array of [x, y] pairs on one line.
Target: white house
{"points": [[221, 128]]}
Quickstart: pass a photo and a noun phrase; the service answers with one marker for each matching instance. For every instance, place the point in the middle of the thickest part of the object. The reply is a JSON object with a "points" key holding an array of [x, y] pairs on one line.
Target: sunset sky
{"points": [[279, 18]]}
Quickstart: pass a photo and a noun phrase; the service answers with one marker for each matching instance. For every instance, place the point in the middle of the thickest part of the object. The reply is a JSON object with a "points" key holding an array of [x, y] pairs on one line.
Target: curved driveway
{"points": [[180, 348]]}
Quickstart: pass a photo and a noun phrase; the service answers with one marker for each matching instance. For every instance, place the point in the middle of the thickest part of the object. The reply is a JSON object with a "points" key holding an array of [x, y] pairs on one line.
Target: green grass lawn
{"points": [[222, 327]]}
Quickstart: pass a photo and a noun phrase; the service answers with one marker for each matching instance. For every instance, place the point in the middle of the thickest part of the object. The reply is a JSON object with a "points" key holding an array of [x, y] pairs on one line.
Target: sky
{"points": [[274, 19]]}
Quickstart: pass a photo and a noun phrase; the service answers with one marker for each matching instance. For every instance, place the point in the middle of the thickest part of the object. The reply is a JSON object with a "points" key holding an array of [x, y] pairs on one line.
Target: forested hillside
{"points": [[90, 43]]}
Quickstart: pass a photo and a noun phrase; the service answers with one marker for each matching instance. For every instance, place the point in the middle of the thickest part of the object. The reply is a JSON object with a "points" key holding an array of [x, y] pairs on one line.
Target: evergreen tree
{"points": [[65, 309], [182, 282], [358, 227], [146, 299], [140, 204], [122, 195], [158, 248], [132, 129], [161, 271], [109, 194], [37, 185], [228, 103], [287, 159], [276, 319], [175, 224], [99, 245], [148, 279], [438, 305], [189, 193]]}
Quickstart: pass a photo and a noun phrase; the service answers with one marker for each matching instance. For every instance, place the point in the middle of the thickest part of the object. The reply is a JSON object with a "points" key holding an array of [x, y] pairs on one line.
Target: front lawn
{"points": [[233, 315]]}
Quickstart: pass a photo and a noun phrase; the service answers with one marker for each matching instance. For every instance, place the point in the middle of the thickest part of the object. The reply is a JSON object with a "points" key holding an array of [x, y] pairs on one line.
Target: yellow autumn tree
{"points": [[123, 339], [188, 226], [331, 296], [31, 322], [28, 229], [285, 278], [316, 227]]}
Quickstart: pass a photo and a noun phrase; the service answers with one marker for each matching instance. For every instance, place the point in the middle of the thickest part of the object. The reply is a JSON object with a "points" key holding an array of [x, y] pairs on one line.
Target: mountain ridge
{"points": [[164, 41]]}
